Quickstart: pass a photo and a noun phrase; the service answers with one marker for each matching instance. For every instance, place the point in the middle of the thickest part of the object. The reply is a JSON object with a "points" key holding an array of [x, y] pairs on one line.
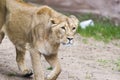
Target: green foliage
{"points": [[103, 29]]}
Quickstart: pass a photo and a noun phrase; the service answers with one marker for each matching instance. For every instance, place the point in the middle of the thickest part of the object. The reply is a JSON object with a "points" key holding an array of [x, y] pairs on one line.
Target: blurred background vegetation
{"points": [[104, 13]]}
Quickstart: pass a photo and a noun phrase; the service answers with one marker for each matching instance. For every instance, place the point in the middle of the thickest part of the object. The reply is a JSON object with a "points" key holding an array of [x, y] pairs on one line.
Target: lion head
{"points": [[62, 27], [65, 29]]}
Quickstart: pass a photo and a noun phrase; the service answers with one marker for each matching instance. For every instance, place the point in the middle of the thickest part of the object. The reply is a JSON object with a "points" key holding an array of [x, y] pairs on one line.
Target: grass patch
{"points": [[103, 29], [117, 63], [85, 41], [102, 61], [50, 68], [11, 74]]}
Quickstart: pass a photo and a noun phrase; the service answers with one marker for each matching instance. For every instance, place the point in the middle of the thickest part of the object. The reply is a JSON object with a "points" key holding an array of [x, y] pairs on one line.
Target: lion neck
{"points": [[52, 38]]}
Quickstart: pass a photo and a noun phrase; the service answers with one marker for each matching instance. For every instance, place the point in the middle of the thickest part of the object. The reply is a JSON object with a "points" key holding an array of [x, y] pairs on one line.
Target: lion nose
{"points": [[69, 39]]}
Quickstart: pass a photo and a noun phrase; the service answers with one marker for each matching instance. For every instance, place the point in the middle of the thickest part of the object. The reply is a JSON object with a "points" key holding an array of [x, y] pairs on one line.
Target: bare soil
{"points": [[87, 59]]}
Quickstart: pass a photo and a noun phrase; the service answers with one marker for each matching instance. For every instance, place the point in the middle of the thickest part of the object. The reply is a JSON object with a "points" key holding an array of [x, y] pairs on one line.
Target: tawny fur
{"points": [[40, 30], [2, 17]]}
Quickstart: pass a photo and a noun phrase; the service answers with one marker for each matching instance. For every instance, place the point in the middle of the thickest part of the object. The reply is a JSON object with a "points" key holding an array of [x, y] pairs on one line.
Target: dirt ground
{"points": [[87, 59]]}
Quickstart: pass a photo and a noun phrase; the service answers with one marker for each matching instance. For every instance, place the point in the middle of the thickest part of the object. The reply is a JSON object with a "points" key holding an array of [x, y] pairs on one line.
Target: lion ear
{"points": [[54, 20], [74, 18], [44, 10]]}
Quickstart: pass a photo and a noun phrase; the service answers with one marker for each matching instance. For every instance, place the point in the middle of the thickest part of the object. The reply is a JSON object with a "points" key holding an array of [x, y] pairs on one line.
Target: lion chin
{"points": [[39, 30], [69, 43]]}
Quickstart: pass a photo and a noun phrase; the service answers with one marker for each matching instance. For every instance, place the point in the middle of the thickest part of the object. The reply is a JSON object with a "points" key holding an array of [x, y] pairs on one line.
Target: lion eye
{"points": [[63, 27], [73, 28]]}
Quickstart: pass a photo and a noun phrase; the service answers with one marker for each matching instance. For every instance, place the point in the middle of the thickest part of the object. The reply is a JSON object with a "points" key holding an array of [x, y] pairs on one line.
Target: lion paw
{"points": [[27, 73]]}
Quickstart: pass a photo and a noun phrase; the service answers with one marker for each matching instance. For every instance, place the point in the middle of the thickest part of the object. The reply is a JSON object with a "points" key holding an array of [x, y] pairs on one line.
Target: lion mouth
{"points": [[68, 43]]}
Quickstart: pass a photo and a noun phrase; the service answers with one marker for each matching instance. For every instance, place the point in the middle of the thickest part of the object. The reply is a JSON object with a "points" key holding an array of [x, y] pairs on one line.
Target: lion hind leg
{"points": [[20, 58]]}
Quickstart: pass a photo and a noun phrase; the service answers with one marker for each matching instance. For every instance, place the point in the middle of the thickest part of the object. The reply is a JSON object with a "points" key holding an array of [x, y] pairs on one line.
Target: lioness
{"points": [[40, 30]]}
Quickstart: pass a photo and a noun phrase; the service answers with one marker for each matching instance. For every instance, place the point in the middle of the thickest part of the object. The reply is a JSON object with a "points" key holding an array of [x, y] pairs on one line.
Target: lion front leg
{"points": [[36, 64], [54, 62], [20, 58]]}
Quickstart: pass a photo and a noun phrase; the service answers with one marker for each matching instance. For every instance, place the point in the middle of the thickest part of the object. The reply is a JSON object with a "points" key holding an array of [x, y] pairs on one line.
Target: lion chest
{"points": [[45, 48]]}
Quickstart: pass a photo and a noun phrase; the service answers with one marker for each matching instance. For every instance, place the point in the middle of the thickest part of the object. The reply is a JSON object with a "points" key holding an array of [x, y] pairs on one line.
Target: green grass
{"points": [[102, 61], [104, 29], [50, 68], [11, 74], [117, 63]]}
